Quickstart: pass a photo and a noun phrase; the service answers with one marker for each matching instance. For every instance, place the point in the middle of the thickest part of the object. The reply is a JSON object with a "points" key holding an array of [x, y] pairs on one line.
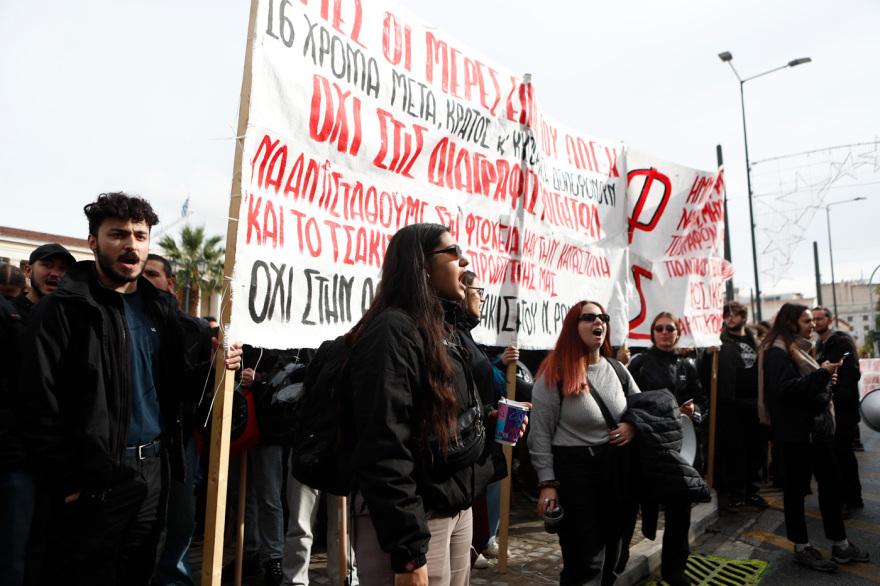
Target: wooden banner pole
{"points": [[221, 423], [505, 484], [239, 516], [713, 412], [342, 529]]}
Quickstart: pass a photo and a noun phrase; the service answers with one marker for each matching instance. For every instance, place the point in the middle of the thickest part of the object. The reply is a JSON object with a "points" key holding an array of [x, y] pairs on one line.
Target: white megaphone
{"points": [[869, 408], [689, 441]]}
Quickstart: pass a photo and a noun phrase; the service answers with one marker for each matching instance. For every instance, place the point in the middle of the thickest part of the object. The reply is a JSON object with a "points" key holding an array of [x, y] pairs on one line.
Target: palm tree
{"points": [[186, 257]]}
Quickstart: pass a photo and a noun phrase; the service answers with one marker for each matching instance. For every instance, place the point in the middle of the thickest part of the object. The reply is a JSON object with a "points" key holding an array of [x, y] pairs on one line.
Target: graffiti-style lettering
{"points": [[413, 97], [405, 146], [645, 194], [471, 74], [639, 272], [267, 287], [327, 296], [345, 62], [329, 120]]}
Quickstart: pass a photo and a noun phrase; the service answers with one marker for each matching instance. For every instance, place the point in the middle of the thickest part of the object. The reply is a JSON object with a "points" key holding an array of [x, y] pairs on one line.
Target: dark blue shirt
{"points": [[146, 415]]}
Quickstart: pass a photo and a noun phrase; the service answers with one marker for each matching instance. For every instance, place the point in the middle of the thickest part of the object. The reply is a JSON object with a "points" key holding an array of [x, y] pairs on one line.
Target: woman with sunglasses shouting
{"points": [[578, 446], [662, 367], [491, 384], [420, 425]]}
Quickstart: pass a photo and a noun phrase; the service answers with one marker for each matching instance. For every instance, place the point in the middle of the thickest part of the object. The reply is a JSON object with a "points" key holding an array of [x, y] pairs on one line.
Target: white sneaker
{"points": [[493, 551], [481, 563]]}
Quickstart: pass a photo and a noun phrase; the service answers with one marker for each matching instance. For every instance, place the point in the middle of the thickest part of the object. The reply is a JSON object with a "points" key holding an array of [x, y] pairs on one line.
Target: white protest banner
{"points": [[362, 120], [677, 224], [870, 369]]}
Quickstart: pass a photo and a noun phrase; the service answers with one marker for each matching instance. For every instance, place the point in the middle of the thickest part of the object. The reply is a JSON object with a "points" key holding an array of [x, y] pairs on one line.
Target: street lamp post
{"points": [[727, 57], [830, 253]]}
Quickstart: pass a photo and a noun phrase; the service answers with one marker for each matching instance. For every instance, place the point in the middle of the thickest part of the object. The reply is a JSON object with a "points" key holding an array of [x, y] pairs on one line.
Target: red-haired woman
{"points": [[796, 390], [576, 453]]}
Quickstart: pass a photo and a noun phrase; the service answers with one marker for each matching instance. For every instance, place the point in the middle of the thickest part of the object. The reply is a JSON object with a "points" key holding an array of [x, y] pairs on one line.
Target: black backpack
{"points": [[278, 402], [324, 438]]}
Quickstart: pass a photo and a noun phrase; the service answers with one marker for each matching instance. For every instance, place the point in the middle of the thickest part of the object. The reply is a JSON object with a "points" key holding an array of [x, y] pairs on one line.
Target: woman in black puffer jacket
{"points": [[661, 367]]}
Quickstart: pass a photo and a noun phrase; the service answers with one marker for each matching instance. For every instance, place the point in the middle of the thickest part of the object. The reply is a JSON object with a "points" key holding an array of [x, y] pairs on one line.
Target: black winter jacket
{"points": [[657, 369], [23, 305], [76, 382], [797, 403], [11, 331], [484, 377], [728, 361], [846, 390], [197, 347], [387, 370], [664, 475]]}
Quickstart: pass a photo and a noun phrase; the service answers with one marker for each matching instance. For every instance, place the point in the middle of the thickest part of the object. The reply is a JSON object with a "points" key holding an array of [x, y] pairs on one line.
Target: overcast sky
{"points": [[143, 97]]}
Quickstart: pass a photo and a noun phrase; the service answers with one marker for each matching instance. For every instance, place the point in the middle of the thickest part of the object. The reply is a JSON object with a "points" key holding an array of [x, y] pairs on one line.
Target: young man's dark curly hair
{"points": [[119, 205]]}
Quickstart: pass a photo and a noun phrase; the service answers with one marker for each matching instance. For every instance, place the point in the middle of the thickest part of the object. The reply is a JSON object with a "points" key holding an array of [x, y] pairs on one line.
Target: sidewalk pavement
{"points": [[535, 554]]}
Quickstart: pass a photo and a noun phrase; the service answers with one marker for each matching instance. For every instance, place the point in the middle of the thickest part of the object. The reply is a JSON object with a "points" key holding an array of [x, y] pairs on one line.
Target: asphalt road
{"points": [[760, 535]]}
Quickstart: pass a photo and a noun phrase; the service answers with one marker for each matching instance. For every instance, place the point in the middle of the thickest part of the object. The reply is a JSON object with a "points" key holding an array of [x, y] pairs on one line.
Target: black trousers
{"points": [[676, 546], [847, 464], [596, 514], [743, 442], [114, 537], [801, 462]]}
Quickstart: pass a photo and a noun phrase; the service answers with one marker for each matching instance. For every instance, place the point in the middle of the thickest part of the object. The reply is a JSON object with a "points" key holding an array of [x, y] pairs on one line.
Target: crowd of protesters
{"points": [[104, 377]]}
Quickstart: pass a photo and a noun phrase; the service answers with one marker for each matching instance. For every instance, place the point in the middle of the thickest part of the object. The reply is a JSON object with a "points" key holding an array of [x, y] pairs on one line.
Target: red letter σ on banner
{"points": [[638, 273]]}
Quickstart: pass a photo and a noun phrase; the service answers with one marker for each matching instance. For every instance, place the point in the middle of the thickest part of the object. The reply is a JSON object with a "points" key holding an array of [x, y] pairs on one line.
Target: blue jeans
{"points": [[17, 496], [174, 568], [263, 515], [24, 517]]}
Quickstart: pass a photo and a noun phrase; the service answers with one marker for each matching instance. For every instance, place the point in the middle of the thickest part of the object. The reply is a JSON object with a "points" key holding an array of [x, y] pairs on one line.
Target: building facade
{"points": [[16, 246]]}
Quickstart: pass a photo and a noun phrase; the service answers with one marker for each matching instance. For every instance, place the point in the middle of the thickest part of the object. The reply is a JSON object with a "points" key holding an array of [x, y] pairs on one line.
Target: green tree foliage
{"points": [[185, 256]]}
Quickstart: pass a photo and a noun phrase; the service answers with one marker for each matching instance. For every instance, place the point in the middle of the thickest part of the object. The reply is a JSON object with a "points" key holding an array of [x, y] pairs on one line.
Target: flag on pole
{"points": [[185, 208]]}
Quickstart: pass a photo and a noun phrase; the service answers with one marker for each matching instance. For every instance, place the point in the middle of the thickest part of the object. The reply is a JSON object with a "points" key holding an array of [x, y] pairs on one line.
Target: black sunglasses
{"points": [[455, 250], [659, 329], [480, 291], [592, 317]]}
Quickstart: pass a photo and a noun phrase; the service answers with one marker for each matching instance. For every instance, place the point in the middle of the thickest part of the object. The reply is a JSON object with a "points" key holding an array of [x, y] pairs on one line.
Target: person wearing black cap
{"points": [[46, 266]]}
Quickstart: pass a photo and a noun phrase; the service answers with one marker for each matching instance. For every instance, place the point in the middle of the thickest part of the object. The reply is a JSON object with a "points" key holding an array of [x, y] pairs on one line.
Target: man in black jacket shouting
{"points": [[101, 386]]}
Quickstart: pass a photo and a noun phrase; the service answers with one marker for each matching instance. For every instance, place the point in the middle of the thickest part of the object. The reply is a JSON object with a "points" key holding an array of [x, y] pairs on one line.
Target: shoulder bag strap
{"points": [[620, 370], [609, 420]]}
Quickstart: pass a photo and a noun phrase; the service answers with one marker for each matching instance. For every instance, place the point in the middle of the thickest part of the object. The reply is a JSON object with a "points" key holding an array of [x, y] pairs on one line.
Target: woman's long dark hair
{"points": [[405, 286], [788, 316]]}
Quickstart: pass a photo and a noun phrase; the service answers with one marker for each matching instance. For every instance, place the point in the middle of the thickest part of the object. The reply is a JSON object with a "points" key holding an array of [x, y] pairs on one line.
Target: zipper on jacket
{"points": [[125, 399]]}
